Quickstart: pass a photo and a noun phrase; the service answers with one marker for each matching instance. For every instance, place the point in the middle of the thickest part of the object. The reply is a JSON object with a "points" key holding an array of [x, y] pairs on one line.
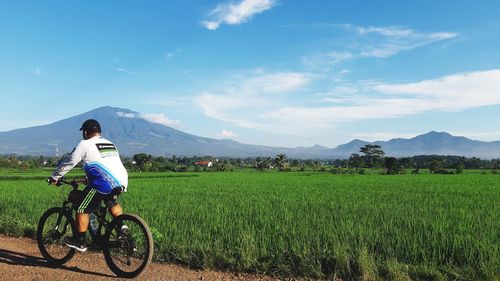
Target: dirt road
{"points": [[20, 259]]}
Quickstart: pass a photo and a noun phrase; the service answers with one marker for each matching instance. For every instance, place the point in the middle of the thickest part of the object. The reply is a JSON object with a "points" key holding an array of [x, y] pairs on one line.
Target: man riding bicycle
{"points": [[104, 174]]}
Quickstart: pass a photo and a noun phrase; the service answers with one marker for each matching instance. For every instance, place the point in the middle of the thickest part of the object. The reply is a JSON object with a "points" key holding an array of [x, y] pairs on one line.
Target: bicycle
{"points": [[127, 255]]}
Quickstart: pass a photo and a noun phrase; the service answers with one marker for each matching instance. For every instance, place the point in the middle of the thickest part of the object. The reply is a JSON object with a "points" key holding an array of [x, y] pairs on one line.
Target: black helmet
{"points": [[91, 126]]}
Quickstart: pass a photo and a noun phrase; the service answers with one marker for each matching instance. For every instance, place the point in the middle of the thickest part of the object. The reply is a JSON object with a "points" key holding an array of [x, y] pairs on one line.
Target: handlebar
{"points": [[73, 183]]}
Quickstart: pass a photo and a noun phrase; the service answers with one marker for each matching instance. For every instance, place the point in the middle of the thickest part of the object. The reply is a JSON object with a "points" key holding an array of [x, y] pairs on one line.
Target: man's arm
{"points": [[70, 161]]}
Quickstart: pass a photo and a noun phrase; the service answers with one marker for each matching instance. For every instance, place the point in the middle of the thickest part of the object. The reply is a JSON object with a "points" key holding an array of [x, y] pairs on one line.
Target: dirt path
{"points": [[20, 259]]}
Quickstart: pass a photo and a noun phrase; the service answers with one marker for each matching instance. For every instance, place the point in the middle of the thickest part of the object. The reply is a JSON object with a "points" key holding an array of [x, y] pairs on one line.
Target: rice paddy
{"points": [[369, 227]]}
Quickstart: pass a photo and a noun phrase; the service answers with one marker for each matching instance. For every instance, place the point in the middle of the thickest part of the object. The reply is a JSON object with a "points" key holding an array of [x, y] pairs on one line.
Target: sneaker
{"points": [[123, 232], [124, 235], [75, 243]]}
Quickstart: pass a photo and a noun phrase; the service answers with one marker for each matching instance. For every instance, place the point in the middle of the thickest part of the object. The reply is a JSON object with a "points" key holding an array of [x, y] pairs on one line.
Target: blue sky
{"points": [[269, 72]]}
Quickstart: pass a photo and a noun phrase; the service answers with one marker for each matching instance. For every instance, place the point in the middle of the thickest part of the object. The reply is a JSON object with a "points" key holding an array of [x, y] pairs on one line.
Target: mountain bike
{"points": [[127, 255]]}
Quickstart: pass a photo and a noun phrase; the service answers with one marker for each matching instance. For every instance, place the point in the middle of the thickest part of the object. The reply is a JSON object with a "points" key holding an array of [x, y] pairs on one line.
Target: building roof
{"points": [[203, 162]]}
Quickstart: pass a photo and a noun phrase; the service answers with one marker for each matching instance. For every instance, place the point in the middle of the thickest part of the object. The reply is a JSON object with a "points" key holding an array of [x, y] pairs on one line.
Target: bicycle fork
{"points": [[57, 232]]}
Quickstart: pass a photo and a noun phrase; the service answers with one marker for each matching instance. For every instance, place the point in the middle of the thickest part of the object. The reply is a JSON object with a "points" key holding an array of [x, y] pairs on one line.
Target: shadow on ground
{"points": [[16, 258]]}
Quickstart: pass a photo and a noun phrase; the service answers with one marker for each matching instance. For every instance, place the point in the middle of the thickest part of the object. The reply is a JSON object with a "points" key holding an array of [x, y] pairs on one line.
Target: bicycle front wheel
{"points": [[128, 252], [54, 225]]}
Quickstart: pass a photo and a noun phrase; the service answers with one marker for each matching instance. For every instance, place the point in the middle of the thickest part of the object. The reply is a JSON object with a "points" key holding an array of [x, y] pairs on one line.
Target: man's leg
{"points": [[78, 240], [115, 210], [85, 200], [82, 222]]}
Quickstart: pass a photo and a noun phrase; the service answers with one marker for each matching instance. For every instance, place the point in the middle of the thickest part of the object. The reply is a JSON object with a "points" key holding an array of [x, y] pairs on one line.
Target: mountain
{"points": [[133, 134], [439, 143]]}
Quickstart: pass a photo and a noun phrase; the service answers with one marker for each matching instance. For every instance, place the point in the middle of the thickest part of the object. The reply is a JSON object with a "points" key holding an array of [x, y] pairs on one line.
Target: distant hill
{"points": [[133, 134], [439, 143]]}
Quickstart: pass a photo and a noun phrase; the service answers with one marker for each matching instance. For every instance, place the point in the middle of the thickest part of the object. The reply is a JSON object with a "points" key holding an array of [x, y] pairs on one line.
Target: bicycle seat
{"points": [[114, 193]]}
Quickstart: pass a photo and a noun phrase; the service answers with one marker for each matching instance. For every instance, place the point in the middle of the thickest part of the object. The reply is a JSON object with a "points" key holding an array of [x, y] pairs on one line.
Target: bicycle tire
{"points": [[147, 256], [58, 237]]}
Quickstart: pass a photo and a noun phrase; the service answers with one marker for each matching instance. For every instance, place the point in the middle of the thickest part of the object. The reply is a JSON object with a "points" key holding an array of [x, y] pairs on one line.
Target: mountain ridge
{"points": [[134, 134]]}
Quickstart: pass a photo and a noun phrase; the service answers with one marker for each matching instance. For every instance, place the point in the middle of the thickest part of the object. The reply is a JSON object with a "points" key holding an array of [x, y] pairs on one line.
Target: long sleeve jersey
{"points": [[101, 163]]}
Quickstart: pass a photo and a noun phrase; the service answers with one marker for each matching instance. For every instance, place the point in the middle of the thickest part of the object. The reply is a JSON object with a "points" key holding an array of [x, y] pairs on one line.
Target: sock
{"points": [[81, 237]]}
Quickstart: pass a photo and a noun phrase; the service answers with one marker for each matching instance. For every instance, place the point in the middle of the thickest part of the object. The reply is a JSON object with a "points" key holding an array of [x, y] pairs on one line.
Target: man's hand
{"points": [[53, 181]]}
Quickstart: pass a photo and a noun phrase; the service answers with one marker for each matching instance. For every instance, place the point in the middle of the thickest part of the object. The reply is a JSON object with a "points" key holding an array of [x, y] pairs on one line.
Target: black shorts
{"points": [[89, 200]]}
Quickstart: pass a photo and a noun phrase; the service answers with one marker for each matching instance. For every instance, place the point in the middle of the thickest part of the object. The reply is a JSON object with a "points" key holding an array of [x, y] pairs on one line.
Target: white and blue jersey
{"points": [[101, 163]]}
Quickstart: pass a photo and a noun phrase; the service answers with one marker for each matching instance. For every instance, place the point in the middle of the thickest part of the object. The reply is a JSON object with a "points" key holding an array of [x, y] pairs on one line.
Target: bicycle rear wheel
{"points": [[54, 225], [128, 254]]}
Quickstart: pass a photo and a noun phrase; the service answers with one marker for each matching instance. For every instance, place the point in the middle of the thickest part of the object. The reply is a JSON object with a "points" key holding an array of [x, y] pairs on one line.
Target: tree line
{"points": [[369, 157], [373, 157]]}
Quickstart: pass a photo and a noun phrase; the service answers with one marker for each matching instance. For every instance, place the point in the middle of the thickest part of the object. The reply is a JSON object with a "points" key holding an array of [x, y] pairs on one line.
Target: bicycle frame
{"points": [[102, 227], [103, 223]]}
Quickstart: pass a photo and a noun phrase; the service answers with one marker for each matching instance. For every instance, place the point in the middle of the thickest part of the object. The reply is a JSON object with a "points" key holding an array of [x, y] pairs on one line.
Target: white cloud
{"points": [[234, 14], [276, 82], [153, 118], [374, 42], [345, 90], [119, 69], [226, 134], [451, 93], [242, 99], [389, 31], [127, 115], [394, 39], [161, 119], [327, 59], [375, 100], [231, 109]]}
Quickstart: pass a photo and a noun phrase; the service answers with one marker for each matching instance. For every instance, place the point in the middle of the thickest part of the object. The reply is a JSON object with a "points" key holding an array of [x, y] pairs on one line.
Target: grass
{"points": [[369, 227]]}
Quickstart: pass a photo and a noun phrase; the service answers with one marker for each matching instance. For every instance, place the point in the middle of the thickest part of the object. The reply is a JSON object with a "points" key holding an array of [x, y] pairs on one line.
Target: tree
{"points": [[143, 161], [407, 162], [392, 166], [495, 165], [437, 165], [263, 164], [372, 152], [473, 163], [281, 161], [355, 161], [222, 166], [459, 168], [315, 165]]}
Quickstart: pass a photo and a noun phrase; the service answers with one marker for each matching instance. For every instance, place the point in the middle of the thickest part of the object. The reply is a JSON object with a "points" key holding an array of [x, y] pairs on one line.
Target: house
{"points": [[204, 164]]}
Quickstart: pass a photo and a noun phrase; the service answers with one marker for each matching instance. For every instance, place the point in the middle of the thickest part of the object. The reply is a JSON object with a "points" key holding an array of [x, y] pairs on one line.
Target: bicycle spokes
{"points": [[129, 247], [53, 227]]}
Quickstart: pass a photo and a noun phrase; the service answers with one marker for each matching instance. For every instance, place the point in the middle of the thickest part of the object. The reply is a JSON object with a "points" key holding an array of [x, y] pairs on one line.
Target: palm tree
{"points": [[281, 161]]}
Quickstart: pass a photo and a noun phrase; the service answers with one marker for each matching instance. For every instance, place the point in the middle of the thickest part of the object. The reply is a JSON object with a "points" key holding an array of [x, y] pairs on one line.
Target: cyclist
{"points": [[104, 173]]}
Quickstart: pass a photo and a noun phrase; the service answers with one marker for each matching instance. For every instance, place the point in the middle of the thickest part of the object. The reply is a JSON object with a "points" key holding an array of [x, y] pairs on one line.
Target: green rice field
{"points": [[354, 227]]}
